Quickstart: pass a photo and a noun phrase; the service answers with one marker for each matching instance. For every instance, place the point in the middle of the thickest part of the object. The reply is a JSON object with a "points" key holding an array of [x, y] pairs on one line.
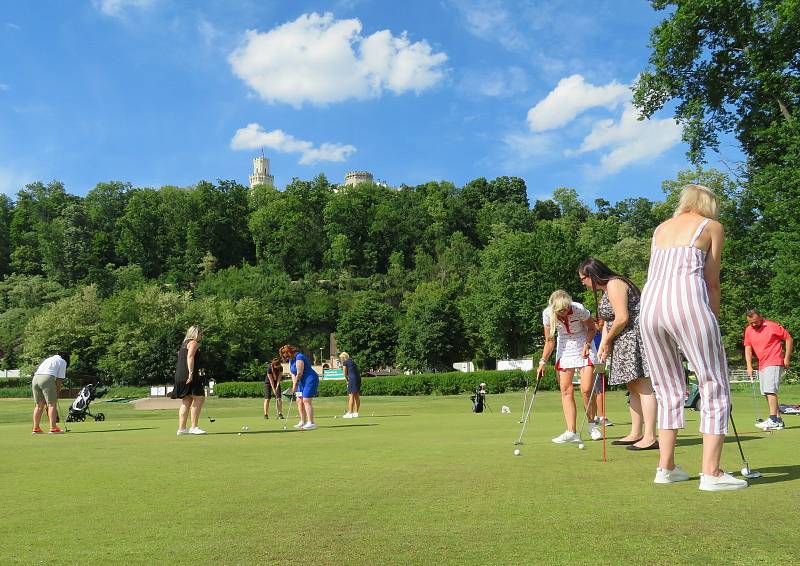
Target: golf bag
{"points": [[80, 406], [789, 409], [478, 398], [692, 399]]}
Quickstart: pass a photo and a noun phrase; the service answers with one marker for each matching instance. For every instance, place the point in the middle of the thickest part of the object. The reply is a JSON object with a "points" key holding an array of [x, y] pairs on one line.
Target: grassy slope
{"points": [[423, 481]]}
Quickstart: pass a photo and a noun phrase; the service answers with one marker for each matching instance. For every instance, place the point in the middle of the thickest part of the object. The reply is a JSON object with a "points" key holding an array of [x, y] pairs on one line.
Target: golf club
{"points": [[530, 406], [581, 445], [288, 412], [755, 402], [746, 471], [524, 398], [58, 414]]}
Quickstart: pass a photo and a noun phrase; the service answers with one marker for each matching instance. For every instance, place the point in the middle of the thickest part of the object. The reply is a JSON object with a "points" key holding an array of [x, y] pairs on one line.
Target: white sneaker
{"points": [[725, 482], [301, 424], [566, 436], [595, 432], [197, 430], [355, 415], [347, 416], [769, 424], [670, 476], [308, 426], [182, 431]]}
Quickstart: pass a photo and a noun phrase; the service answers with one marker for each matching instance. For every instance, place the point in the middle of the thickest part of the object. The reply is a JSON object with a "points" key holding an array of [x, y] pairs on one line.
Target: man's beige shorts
{"points": [[44, 389]]}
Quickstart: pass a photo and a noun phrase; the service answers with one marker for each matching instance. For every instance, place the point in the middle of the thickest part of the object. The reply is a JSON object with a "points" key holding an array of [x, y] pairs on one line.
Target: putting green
{"points": [[423, 481]]}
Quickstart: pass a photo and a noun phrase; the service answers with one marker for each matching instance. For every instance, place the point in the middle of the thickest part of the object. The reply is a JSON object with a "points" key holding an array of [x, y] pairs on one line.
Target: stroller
{"points": [[80, 406]]}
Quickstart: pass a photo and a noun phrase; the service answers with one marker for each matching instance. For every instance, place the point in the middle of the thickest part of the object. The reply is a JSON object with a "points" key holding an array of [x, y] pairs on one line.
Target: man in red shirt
{"points": [[765, 338]]}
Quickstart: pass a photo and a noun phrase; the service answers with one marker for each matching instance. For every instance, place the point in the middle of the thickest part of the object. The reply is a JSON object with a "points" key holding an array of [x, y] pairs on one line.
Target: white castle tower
{"points": [[261, 174], [352, 178]]}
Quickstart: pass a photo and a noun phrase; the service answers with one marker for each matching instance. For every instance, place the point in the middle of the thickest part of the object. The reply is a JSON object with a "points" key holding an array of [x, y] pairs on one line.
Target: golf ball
{"points": [[240, 434], [581, 445], [334, 416], [516, 452], [247, 428]]}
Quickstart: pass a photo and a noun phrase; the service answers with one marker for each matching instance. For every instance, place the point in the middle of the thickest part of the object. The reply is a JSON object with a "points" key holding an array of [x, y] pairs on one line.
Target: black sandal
{"points": [[620, 442], [653, 446]]}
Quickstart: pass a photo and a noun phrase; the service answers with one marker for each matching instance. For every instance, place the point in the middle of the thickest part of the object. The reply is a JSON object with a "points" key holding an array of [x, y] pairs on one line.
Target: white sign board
{"points": [[467, 367], [524, 365]]}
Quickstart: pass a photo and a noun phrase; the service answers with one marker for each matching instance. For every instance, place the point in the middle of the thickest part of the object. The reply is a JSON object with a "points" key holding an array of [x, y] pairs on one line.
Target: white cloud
{"points": [[495, 83], [117, 8], [491, 21], [253, 136], [629, 140], [320, 60], [572, 96], [207, 30]]}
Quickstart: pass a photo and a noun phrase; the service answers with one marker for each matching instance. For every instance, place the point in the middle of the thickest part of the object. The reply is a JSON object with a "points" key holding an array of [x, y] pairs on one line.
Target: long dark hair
{"points": [[601, 274]]}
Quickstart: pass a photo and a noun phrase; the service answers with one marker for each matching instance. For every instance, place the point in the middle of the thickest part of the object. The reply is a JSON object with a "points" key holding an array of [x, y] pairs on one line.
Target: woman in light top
{"points": [[574, 327]]}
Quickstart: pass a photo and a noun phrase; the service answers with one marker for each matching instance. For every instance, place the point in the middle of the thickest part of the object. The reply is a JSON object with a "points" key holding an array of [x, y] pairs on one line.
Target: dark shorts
{"points": [[354, 385], [268, 394]]}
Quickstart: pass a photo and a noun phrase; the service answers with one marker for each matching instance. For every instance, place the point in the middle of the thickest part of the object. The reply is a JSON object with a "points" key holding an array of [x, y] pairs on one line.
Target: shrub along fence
{"points": [[451, 383]]}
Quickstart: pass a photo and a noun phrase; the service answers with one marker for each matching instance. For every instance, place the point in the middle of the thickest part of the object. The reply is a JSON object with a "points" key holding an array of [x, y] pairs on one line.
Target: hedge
{"points": [[451, 383]]}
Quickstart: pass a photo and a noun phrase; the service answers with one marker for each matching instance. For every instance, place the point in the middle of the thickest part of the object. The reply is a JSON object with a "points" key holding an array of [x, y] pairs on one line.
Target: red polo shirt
{"points": [[767, 343]]}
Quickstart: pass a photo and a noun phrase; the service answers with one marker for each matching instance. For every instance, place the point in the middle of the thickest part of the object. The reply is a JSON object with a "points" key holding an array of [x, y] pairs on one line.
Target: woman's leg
{"points": [[567, 397], [266, 406], [301, 409], [183, 412], [712, 453], [587, 383], [350, 404], [308, 408], [643, 389], [197, 404], [635, 408], [357, 401], [666, 448]]}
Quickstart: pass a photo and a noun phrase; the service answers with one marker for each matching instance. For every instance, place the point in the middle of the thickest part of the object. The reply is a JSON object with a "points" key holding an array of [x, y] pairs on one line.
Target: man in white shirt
{"points": [[47, 380]]}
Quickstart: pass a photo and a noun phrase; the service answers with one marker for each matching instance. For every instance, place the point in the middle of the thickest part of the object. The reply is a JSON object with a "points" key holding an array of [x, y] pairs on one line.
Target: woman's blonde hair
{"points": [[699, 199], [559, 300], [193, 333], [344, 356]]}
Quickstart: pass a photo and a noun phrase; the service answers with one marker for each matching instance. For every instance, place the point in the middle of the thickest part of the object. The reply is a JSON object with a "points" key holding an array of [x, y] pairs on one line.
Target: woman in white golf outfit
{"points": [[575, 350]]}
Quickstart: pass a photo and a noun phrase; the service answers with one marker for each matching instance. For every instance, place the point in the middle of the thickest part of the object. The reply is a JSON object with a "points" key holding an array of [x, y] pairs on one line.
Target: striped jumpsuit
{"points": [[675, 313]]}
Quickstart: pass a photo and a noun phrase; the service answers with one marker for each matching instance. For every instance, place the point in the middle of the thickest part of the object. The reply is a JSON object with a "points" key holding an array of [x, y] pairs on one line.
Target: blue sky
{"points": [[160, 92]]}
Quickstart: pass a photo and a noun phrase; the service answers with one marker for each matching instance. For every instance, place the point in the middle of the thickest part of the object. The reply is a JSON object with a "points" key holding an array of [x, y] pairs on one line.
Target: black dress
{"points": [[182, 389]]}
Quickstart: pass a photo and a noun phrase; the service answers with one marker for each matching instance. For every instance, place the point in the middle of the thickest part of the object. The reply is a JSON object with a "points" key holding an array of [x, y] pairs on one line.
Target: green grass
{"points": [[424, 481]]}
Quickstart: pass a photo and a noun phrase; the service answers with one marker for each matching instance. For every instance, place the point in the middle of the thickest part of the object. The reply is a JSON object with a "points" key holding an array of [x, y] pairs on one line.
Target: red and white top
{"points": [[572, 338]]}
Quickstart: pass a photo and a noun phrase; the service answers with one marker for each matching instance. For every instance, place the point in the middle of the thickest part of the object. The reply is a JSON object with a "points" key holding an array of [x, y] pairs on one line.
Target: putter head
{"points": [[212, 420], [750, 474], [518, 443]]}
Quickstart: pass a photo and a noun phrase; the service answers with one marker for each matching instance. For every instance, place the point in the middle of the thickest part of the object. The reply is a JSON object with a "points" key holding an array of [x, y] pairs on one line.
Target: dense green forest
{"points": [[415, 277]]}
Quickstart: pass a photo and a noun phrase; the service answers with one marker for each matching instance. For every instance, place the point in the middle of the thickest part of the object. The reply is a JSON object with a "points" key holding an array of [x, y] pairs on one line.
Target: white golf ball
{"points": [[240, 434], [334, 416], [516, 452], [247, 428], [581, 445]]}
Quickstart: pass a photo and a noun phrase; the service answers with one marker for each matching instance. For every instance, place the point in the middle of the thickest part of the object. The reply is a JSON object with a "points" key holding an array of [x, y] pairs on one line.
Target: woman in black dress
{"points": [[188, 384]]}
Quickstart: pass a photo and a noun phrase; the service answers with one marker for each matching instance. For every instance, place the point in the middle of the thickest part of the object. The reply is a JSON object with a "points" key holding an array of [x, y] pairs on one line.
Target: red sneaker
{"points": [[56, 431], [37, 431]]}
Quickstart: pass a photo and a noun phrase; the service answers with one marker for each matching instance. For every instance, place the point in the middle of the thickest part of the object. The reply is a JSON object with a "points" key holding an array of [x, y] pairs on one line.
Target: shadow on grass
{"points": [[73, 431], [777, 474], [728, 440], [280, 430]]}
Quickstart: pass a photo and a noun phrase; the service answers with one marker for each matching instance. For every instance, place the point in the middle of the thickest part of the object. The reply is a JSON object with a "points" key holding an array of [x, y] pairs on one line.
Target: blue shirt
{"points": [[352, 369], [308, 371]]}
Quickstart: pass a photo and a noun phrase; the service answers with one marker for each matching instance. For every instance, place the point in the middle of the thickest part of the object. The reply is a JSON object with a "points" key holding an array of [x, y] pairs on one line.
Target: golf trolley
{"points": [[478, 399], [80, 406]]}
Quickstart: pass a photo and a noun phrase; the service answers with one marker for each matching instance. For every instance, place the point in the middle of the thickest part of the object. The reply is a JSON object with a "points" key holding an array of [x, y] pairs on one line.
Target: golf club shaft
{"points": [[736, 434], [530, 406], [588, 406], [755, 402]]}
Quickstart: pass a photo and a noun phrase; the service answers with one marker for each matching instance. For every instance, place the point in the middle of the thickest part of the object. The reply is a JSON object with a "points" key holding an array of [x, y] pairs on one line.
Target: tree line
{"points": [[416, 277]]}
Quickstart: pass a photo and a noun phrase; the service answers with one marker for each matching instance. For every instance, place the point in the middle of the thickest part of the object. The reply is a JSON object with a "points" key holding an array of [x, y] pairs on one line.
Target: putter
{"points": [[58, 415], [527, 415], [288, 412], [755, 403], [524, 398], [746, 471]]}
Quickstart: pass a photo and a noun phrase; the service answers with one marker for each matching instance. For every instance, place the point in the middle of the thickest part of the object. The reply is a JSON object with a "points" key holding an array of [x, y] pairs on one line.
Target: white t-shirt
{"points": [[54, 365], [571, 338]]}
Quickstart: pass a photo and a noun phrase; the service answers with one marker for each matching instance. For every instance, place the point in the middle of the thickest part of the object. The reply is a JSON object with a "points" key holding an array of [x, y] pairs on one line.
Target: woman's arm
{"points": [[713, 263], [591, 329], [191, 351], [549, 344], [617, 292]]}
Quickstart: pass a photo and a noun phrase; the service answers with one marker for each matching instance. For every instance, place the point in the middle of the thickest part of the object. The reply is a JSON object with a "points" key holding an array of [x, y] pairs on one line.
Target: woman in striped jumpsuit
{"points": [[680, 308]]}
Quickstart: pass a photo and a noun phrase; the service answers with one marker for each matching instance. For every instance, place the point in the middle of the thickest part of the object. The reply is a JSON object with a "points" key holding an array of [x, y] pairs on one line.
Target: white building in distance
{"points": [[261, 174], [353, 178]]}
